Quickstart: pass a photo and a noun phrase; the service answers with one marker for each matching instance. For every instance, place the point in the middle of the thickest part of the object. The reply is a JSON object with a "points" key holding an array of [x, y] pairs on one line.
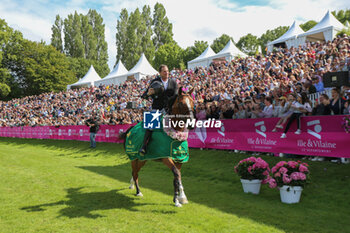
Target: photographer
{"points": [[92, 122]]}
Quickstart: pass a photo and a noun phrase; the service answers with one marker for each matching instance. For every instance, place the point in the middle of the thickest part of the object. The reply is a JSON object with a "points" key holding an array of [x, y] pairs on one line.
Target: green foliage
{"points": [[56, 36], [248, 44], [39, 68], [220, 42], [344, 31], [121, 36], [4, 90], [194, 51], [133, 45], [146, 32], [84, 38], [163, 29], [271, 35], [169, 54], [80, 66], [308, 25], [342, 15]]}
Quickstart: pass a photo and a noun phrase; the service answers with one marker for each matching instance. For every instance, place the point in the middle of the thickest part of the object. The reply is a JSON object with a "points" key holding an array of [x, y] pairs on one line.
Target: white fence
{"points": [[314, 97]]}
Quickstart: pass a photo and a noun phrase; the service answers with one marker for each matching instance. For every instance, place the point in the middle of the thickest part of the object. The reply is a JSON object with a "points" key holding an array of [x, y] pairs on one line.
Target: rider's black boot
{"points": [[147, 137]]}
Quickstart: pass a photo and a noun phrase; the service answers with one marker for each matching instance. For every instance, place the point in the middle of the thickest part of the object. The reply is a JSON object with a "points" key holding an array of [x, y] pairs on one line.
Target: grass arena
{"points": [[62, 186]]}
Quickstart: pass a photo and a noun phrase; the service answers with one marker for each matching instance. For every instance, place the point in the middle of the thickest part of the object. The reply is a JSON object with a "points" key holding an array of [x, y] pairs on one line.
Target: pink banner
{"points": [[321, 136]]}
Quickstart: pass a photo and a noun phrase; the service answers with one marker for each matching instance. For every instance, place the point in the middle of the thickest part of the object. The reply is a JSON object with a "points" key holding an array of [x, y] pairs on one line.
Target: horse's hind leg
{"points": [[177, 179], [182, 196], [136, 167]]}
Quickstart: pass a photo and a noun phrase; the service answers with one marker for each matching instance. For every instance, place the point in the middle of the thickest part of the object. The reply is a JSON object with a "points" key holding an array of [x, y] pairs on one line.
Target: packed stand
{"points": [[276, 85]]}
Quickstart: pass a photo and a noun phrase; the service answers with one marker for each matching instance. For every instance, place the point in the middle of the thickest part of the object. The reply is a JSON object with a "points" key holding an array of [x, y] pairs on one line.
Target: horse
{"points": [[182, 109]]}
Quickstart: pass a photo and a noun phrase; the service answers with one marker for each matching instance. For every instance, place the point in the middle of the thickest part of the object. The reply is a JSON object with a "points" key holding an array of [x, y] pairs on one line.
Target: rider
{"points": [[163, 98]]}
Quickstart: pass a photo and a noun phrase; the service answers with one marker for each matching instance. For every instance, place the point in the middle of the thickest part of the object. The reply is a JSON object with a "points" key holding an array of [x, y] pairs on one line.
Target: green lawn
{"points": [[63, 186]]}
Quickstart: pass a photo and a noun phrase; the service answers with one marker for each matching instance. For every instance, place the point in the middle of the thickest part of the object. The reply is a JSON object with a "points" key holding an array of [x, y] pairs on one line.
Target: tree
{"points": [[4, 90], [73, 39], [56, 36], [169, 54], [84, 37], [39, 68], [220, 42], [98, 28], [10, 41], [121, 36], [133, 45], [194, 51], [145, 32], [308, 25], [163, 29], [248, 44], [271, 35], [342, 15]]}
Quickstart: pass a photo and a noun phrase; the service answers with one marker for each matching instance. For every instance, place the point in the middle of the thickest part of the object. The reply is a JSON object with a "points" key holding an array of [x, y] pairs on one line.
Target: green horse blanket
{"points": [[159, 146]]}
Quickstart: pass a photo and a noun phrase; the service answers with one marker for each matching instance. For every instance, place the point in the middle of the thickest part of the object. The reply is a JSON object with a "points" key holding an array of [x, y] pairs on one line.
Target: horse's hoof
{"points": [[178, 204], [131, 186], [183, 200], [139, 194]]}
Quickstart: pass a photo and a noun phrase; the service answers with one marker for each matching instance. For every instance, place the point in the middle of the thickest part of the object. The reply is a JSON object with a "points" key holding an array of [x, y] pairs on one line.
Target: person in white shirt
{"points": [[299, 108]]}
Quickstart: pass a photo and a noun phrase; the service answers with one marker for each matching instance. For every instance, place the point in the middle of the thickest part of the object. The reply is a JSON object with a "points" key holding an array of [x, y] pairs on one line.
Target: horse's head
{"points": [[183, 108]]}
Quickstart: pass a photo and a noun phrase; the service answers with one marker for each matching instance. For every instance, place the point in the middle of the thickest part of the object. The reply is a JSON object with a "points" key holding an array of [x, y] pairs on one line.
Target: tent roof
{"points": [[230, 48], [90, 77], [326, 22], [292, 32], [118, 70], [208, 52], [142, 66], [347, 24]]}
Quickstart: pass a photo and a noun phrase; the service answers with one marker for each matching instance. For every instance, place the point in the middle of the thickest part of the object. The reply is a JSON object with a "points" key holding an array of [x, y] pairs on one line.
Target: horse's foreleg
{"points": [[182, 196], [136, 167], [131, 183], [177, 180]]}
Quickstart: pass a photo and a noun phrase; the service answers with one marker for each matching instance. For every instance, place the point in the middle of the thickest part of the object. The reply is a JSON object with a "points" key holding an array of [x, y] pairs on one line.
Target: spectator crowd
{"points": [[275, 85]]}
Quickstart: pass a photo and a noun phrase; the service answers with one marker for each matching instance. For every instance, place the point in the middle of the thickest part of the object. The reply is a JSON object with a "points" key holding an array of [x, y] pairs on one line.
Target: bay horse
{"points": [[182, 109]]}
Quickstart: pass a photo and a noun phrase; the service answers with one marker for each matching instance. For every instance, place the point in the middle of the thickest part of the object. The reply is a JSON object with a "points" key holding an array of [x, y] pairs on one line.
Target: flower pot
{"points": [[290, 194], [251, 186]]}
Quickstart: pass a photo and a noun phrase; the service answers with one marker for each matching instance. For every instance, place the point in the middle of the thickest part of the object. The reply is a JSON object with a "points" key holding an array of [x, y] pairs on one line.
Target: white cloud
{"points": [[192, 20]]}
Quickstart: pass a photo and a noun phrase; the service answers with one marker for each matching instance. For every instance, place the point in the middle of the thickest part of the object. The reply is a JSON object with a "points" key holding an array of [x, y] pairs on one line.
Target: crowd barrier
{"points": [[321, 136]]}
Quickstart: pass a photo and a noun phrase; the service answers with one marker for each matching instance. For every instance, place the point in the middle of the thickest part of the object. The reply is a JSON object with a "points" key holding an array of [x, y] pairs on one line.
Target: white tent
{"points": [[202, 60], [229, 52], [325, 30], [113, 77], [288, 39], [88, 80]]}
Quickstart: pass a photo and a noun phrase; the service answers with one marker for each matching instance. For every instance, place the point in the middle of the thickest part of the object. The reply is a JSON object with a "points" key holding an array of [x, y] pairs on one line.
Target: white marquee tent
{"points": [[288, 39], [113, 77], [229, 52], [202, 60], [88, 80], [325, 30]]}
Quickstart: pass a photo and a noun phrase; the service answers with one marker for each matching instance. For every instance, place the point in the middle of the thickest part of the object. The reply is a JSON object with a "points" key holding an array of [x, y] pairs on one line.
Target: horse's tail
{"points": [[122, 135]]}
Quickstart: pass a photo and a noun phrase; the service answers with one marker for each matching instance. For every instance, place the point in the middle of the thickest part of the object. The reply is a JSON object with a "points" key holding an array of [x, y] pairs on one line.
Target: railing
{"points": [[314, 97]]}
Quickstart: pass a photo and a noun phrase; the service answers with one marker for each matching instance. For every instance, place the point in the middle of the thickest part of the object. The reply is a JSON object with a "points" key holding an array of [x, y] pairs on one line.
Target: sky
{"points": [[192, 19]]}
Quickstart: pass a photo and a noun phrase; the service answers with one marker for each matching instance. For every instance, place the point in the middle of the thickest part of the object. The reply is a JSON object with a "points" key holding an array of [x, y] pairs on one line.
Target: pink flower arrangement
{"points": [[253, 168], [292, 173]]}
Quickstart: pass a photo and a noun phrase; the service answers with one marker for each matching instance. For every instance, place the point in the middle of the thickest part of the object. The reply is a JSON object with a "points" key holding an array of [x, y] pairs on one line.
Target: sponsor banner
{"points": [[320, 136], [106, 133]]}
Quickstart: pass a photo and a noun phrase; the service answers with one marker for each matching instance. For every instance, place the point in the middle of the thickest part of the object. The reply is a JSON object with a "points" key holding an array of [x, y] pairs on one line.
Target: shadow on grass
{"points": [[80, 204]]}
